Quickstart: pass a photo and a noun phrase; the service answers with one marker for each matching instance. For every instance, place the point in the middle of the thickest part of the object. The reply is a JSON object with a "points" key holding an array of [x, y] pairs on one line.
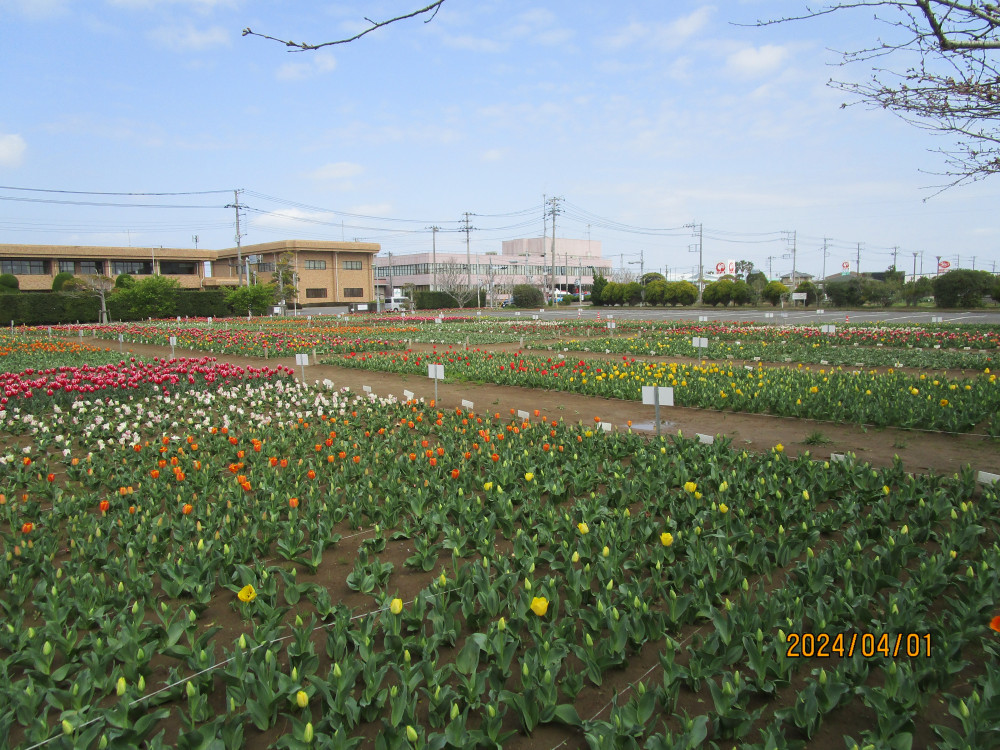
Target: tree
{"points": [[914, 291], [432, 9], [253, 299], [613, 293], [649, 278], [809, 289], [527, 295], [655, 290], [744, 268], [757, 281], [284, 279], [153, 297], [453, 280], [681, 293], [875, 292], [95, 284], [718, 292], [774, 291], [742, 293], [948, 80], [962, 288], [845, 293], [124, 281], [60, 279], [996, 291], [632, 293], [9, 283], [596, 289]]}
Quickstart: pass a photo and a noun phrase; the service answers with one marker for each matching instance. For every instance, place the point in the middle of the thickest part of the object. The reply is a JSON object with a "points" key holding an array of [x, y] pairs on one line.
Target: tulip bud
{"points": [[47, 648], [141, 684], [191, 690], [411, 733], [502, 625], [308, 733], [67, 728], [337, 671], [302, 699], [454, 711]]}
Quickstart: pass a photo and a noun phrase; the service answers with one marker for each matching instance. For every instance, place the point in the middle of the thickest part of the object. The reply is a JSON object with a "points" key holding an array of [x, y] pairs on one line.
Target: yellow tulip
{"points": [[584, 528], [666, 538], [540, 605], [247, 594], [396, 606]]}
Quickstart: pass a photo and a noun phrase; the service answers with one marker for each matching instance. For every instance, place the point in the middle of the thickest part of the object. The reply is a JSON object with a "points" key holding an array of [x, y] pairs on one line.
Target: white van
{"points": [[397, 304]]}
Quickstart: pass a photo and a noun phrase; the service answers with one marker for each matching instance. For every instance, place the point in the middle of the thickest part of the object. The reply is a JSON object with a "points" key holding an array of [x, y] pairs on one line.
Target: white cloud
{"points": [[199, 5], [493, 154], [36, 9], [315, 63], [187, 37], [12, 148], [340, 170], [475, 43], [667, 35], [756, 61]]}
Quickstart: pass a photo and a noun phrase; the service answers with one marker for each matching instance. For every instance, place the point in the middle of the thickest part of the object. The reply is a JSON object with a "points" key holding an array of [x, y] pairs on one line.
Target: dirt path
{"points": [[920, 451]]}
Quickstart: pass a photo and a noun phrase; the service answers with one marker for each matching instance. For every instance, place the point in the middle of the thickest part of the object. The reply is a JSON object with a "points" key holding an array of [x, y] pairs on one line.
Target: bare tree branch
{"points": [[433, 9], [949, 82]]}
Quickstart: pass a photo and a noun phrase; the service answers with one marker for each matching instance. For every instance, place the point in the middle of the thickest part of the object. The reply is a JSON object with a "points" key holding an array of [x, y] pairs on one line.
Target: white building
{"points": [[525, 261]]}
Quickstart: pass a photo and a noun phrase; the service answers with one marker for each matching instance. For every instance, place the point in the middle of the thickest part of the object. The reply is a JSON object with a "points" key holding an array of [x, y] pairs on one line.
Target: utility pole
{"points": [[938, 266], [390, 274], [895, 249], [824, 265], [794, 234], [858, 266], [973, 262], [769, 259], [914, 266], [701, 246], [434, 256], [239, 235], [468, 254], [554, 201]]}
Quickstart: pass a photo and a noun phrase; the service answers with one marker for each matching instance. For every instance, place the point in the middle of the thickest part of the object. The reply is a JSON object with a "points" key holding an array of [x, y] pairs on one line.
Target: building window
{"points": [[316, 265], [24, 267], [92, 266], [66, 266], [132, 267], [354, 292], [178, 267], [353, 265], [316, 293], [265, 268]]}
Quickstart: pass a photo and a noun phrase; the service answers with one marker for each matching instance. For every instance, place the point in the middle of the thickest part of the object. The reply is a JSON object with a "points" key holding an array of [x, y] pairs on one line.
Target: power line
{"points": [[91, 192]]}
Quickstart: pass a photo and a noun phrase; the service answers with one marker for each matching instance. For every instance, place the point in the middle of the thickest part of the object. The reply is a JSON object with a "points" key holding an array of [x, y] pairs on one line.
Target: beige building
{"points": [[327, 273]]}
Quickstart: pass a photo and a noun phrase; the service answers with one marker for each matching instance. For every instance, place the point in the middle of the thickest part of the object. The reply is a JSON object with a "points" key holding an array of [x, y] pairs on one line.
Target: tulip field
{"points": [[203, 552]]}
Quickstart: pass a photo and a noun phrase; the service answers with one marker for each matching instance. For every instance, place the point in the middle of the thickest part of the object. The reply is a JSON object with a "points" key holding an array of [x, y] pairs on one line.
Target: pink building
{"points": [[519, 262]]}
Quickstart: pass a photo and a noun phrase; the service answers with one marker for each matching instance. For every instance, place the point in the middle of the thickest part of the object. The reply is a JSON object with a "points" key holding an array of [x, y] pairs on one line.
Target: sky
{"points": [[646, 118]]}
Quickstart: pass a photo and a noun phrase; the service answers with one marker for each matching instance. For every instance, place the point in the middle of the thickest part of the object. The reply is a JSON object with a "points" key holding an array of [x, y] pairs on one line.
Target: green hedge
{"points": [[210, 303], [48, 308], [51, 308]]}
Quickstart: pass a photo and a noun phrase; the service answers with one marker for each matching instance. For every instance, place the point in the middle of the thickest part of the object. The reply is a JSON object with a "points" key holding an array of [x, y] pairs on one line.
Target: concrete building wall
{"points": [[334, 271]]}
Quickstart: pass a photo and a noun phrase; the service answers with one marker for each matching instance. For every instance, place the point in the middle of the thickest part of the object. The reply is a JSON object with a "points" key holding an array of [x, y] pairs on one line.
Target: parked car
{"points": [[397, 304]]}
